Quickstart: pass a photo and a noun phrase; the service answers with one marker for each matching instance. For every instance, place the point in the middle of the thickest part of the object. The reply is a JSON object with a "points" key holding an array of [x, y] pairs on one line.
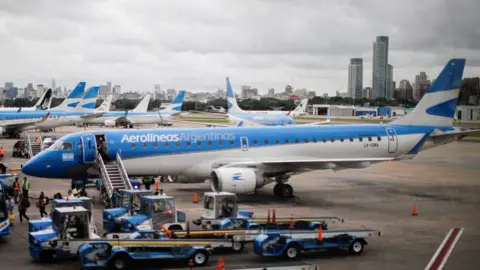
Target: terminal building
{"points": [[352, 111]]}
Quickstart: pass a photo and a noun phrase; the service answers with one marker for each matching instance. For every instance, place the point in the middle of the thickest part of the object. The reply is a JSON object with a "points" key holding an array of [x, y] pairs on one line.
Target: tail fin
{"points": [[301, 108], [73, 99], [44, 102], [438, 105], [232, 105], [176, 106], [143, 105], [106, 104], [89, 101]]}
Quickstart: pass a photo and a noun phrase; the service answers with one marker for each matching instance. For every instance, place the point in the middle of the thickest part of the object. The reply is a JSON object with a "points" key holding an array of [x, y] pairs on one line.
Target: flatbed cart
{"points": [[122, 254], [272, 244]]}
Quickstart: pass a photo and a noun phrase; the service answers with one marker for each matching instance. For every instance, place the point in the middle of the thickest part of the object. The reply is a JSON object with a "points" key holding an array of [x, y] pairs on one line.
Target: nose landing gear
{"points": [[281, 189]]}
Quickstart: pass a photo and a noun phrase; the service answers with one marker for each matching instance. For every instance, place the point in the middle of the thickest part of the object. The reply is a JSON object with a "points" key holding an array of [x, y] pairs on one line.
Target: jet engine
{"points": [[237, 180], [109, 123], [1, 131]]}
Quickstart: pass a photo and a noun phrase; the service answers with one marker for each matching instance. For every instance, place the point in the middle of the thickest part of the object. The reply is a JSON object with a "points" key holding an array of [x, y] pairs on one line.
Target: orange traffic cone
{"points": [[195, 198], [156, 184], [292, 224], [220, 264], [414, 213], [268, 216], [320, 234], [274, 220]]}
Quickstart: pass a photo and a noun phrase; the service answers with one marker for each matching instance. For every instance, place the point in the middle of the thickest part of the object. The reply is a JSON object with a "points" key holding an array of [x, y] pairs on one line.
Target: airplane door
{"points": [[244, 143], [392, 140], [89, 148]]}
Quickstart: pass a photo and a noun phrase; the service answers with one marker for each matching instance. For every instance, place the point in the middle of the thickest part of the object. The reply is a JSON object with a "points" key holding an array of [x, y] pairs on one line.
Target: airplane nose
{"points": [[32, 167]]}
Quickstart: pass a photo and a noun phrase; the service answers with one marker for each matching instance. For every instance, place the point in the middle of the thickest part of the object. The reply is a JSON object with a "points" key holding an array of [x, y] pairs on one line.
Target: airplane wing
{"points": [[92, 116], [457, 133], [18, 123], [205, 123], [317, 123]]}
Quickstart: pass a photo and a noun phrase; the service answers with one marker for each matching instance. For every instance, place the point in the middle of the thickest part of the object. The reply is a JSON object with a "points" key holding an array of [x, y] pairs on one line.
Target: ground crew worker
{"points": [[25, 187], [36, 139], [2, 153], [16, 189], [147, 181]]}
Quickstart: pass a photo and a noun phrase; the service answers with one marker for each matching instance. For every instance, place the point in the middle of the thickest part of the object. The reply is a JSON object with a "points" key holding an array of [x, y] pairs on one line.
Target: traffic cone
{"points": [[414, 213], [195, 198], [268, 216], [156, 184], [274, 220], [188, 230], [220, 264], [292, 224], [320, 234], [190, 263]]}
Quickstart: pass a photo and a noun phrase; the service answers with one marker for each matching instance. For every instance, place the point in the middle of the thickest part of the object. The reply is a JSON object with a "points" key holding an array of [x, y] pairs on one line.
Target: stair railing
{"points": [[29, 145], [106, 178], [123, 172]]}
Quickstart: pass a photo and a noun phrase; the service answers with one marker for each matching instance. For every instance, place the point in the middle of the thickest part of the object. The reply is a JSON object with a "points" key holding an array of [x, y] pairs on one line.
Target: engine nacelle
{"points": [[236, 180], [110, 123], [1, 131]]}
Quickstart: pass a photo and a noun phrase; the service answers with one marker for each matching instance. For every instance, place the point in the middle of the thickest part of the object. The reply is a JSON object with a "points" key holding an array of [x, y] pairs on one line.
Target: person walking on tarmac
{"points": [[147, 181], [16, 189], [23, 205], [25, 187], [42, 204], [102, 149], [2, 153]]}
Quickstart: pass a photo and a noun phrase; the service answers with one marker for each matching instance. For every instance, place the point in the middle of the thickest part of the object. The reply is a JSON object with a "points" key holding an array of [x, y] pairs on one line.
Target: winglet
{"points": [[19, 109], [240, 124], [45, 117]]}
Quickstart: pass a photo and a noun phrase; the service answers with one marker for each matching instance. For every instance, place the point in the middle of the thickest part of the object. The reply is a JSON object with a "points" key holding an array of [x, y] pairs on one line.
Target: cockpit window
{"points": [[56, 145], [66, 146]]}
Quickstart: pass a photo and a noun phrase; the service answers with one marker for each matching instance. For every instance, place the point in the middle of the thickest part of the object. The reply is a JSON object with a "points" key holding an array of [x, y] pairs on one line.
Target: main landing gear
{"points": [[281, 189]]}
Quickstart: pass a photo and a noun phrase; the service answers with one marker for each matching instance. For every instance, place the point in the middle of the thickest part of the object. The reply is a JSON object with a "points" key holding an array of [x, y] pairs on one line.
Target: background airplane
{"points": [[42, 104], [241, 160]]}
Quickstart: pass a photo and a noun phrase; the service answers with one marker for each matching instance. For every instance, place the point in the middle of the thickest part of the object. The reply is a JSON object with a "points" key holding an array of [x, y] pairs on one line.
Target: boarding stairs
{"points": [[33, 147], [113, 174]]}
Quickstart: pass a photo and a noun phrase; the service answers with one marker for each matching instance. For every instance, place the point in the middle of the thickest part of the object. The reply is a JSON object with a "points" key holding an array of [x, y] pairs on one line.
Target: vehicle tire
{"points": [[292, 251], [200, 258], [356, 247], [175, 227], [238, 246], [120, 262], [277, 190], [287, 191]]}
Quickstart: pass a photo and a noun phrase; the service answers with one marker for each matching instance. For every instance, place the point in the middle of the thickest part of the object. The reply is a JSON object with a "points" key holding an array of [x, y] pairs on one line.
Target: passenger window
{"points": [[189, 144], [277, 141], [379, 138], [314, 139], [255, 141], [133, 146], [351, 139], [297, 140], [144, 145], [232, 142], [220, 142], [199, 143], [209, 142], [369, 139], [324, 140], [266, 141], [166, 144], [177, 143], [341, 139], [306, 140], [287, 141], [360, 139], [155, 144], [332, 139]]}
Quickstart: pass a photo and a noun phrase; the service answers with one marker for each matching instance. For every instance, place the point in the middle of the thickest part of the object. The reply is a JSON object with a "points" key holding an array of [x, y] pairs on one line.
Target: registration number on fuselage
{"points": [[368, 145]]}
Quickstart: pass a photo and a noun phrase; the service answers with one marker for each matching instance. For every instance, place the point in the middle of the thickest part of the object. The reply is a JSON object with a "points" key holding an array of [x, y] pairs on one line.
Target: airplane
{"points": [[241, 160], [42, 104], [300, 109], [236, 115], [15, 123], [214, 109], [139, 115], [106, 104]]}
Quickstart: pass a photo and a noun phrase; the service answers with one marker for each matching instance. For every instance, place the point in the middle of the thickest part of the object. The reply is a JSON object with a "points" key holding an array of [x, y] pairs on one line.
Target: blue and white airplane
{"points": [[42, 104], [14, 123], [139, 115], [241, 160]]}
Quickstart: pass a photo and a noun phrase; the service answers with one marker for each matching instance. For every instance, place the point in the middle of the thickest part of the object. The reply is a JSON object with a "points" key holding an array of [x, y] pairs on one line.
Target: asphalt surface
{"points": [[443, 182]]}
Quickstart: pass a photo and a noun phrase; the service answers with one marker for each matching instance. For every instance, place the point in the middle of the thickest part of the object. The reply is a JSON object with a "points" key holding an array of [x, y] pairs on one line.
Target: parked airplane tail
{"points": [[73, 99], [89, 101], [175, 107], [44, 102], [143, 105], [300, 109], [232, 105], [438, 105], [106, 104]]}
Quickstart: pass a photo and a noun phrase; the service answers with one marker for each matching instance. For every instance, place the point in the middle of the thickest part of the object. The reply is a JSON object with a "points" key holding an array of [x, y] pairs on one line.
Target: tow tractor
{"points": [[129, 206], [70, 229], [154, 212], [272, 244], [121, 254], [46, 222]]}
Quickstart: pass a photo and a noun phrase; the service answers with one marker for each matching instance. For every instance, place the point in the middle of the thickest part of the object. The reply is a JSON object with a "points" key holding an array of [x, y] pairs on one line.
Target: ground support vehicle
{"points": [[273, 244], [70, 229], [46, 222], [4, 221], [122, 254], [129, 206]]}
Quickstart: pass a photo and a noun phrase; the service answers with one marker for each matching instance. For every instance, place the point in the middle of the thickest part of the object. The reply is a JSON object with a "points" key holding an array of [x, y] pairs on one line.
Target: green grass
{"points": [[204, 120]]}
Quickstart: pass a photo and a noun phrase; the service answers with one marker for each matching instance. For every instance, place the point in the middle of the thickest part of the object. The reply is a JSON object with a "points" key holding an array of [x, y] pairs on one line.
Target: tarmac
{"points": [[443, 183]]}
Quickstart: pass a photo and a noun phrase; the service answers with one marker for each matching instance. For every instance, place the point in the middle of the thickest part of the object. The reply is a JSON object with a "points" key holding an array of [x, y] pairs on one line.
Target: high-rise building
{"points": [[380, 67], [117, 89], [54, 86], [367, 92], [157, 88], [355, 78], [40, 90], [421, 85], [389, 83], [271, 92], [103, 91], [289, 89], [8, 85], [109, 87]]}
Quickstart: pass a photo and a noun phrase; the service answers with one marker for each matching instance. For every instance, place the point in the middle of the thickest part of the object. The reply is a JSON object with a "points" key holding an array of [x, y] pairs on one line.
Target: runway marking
{"points": [[443, 252]]}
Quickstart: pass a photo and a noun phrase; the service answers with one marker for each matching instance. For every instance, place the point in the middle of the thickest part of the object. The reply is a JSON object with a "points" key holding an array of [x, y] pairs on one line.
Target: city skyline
{"points": [[137, 45]]}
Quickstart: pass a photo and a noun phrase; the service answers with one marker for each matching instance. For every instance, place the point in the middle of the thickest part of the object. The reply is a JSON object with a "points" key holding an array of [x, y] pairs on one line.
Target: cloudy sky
{"points": [[194, 44]]}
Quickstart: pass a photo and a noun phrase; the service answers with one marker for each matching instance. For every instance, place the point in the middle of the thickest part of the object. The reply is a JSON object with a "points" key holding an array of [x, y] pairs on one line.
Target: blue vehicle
{"points": [[274, 244], [123, 254], [46, 222], [70, 229], [155, 212], [129, 206], [4, 222]]}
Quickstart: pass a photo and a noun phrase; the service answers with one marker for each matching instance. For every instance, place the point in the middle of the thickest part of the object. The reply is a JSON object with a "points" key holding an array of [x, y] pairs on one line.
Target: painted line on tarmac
{"points": [[445, 249]]}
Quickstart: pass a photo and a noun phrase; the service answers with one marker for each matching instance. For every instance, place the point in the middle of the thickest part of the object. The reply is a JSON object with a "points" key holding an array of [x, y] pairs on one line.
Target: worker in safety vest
{"points": [[2, 154], [16, 189], [25, 187]]}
